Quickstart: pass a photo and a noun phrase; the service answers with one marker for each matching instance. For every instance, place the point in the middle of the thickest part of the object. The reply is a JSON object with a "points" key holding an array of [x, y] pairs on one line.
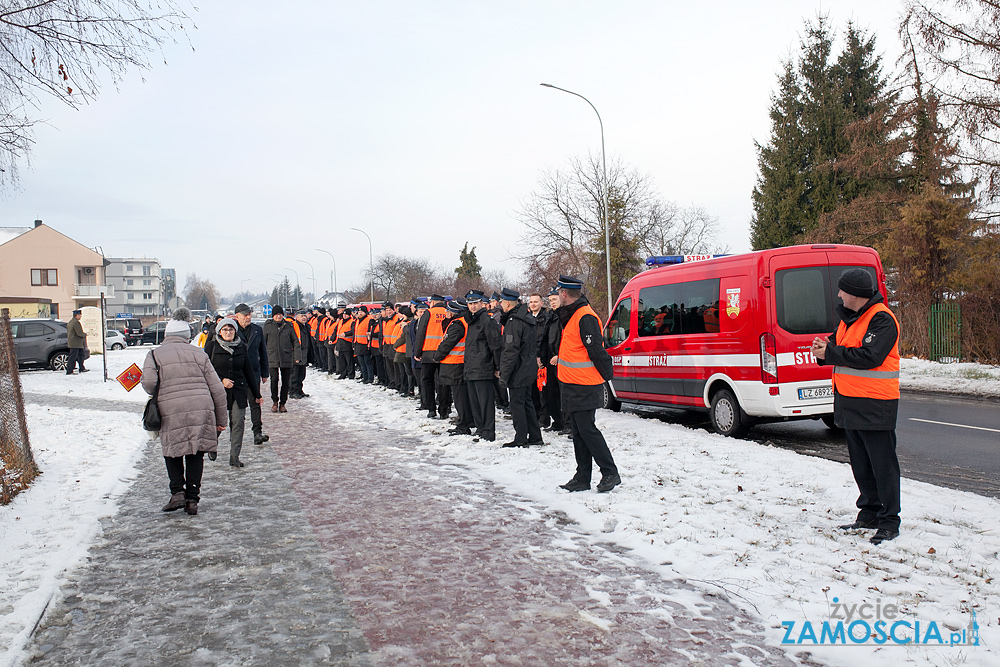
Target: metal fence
{"points": [[946, 332], [17, 465]]}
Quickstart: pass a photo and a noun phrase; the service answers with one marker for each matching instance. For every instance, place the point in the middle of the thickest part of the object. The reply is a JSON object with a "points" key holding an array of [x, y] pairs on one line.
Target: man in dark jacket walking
{"points": [[76, 340], [518, 368], [583, 368], [280, 341], [482, 365], [865, 360], [253, 337]]}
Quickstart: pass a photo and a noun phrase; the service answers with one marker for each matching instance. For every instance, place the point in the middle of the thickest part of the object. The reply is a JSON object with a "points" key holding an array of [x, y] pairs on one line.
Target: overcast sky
{"points": [[420, 122]]}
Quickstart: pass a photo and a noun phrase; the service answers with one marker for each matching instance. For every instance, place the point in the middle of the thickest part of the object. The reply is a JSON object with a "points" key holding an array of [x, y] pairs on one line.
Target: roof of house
{"points": [[10, 233]]}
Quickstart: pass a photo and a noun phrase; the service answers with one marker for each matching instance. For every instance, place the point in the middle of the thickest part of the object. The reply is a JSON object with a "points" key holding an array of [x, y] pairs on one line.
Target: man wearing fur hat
{"points": [[865, 359]]}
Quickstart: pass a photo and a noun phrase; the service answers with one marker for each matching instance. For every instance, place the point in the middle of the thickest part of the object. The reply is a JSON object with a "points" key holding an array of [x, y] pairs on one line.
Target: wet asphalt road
{"points": [[942, 439]]}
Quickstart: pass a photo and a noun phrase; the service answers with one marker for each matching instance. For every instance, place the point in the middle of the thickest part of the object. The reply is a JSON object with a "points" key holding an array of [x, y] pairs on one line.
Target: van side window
{"points": [[806, 297], [619, 324], [682, 308]]}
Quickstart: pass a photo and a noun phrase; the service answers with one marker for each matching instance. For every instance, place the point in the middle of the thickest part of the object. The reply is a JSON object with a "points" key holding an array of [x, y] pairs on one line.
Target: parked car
{"points": [[131, 327], [40, 342], [153, 334], [115, 340]]}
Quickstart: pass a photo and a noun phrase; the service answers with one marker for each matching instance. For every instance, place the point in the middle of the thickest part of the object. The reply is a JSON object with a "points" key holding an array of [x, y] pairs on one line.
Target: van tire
{"points": [[610, 402], [727, 416], [59, 361], [830, 424]]}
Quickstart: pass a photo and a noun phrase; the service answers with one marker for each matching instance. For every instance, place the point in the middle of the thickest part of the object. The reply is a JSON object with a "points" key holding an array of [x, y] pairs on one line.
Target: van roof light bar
{"points": [[665, 260]]}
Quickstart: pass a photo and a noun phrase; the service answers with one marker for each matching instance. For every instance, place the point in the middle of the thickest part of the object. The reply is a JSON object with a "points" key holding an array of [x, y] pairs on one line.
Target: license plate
{"points": [[808, 393]]}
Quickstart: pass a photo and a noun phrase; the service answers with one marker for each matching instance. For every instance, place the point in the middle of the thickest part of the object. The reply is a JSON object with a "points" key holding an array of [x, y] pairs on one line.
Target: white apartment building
{"points": [[138, 288]]}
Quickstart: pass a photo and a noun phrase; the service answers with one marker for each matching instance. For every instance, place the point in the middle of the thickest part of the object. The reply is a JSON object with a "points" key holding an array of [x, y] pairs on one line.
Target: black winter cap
{"points": [[277, 310], [857, 282]]}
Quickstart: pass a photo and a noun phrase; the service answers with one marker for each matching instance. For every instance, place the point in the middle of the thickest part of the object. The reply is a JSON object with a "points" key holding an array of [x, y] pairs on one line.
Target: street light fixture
{"points": [[313, 277], [371, 262], [333, 275], [604, 165]]}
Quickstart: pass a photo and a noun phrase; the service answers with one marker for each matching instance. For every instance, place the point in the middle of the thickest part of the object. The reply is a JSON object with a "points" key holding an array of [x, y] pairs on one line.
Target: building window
{"points": [[129, 267], [131, 296], [44, 277], [147, 296], [147, 270], [128, 281], [147, 283]]}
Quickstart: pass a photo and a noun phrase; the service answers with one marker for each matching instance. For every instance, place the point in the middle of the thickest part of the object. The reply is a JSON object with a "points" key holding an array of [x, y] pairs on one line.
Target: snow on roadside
{"points": [[959, 378], [754, 522], [87, 458]]}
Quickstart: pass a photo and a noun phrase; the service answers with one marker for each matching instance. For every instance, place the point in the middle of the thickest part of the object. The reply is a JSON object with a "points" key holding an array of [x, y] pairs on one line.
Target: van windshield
{"points": [[806, 298]]}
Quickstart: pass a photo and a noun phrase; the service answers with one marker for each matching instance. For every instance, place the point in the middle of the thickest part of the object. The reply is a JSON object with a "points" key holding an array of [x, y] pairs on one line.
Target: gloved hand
{"points": [[212, 456]]}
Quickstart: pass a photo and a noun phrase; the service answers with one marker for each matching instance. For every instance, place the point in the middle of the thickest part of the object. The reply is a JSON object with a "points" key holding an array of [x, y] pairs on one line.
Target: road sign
{"points": [[124, 316], [267, 310]]}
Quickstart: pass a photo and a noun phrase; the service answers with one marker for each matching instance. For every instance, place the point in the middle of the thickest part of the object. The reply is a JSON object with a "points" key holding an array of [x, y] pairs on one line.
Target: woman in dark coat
{"points": [[228, 355]]}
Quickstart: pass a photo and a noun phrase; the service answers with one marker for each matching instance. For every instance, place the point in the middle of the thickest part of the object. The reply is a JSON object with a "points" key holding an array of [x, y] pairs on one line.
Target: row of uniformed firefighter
{"points": [[546, 367]]}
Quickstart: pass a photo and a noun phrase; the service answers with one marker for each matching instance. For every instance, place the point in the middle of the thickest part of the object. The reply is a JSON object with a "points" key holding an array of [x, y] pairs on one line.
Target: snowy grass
{"points": [[960, 378]]}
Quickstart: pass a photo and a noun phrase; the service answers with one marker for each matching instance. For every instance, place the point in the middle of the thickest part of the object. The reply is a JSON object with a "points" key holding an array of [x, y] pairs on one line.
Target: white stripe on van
{"points": [[692, 360]]}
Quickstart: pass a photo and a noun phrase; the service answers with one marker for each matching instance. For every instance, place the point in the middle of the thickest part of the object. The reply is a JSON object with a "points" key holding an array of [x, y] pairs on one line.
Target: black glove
{"points": [[212, 456]]}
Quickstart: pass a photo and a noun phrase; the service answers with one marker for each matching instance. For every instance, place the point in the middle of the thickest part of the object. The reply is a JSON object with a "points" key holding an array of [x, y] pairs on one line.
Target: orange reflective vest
{"points": [[435, 329], [345, 330], [361, 331], [295, 327], [313, 327], [575, 366], [391, 332], [457, 354], [378, 329], [881, 382], [324, 329]]}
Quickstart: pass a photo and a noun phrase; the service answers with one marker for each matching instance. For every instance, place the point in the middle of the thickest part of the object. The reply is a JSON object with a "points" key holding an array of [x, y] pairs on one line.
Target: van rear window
{"points": [[681, 308], [806, 298]]}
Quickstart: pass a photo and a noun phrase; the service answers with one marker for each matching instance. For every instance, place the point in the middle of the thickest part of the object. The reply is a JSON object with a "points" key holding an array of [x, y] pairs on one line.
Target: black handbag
{"points": [[151, 415]]}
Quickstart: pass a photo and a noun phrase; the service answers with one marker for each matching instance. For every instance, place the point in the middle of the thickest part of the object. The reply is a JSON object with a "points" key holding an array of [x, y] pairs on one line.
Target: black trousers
{"points": [[500, 395], [331, 359], [482, 405], [320, 360], [345, 360], [876, 470], [589, 446], [460, 395], [522, 413], [551, 397], [285, 374], [428, 378], [407, 379], [75, 357], [255, 421], [298, 378], [190, 483], [391, 376]]}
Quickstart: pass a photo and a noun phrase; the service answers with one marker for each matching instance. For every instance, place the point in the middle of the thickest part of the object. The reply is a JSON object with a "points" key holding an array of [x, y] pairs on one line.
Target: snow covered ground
{"points": [[750, 521], [959, 378]]}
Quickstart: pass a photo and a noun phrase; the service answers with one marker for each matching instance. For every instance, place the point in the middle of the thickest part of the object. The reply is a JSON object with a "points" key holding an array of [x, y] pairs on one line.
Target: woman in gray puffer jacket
{"points": [[192, 404]]}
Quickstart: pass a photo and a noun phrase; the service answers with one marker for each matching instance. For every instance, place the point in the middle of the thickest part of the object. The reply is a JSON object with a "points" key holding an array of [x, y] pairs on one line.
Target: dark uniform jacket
{"points": [[853, 412], [235, 367], [453, 374], [280, 341], [580, 397], [76, 339], [518, 367], [548, 335], [482, 347], [302, 351], [253, 337]]}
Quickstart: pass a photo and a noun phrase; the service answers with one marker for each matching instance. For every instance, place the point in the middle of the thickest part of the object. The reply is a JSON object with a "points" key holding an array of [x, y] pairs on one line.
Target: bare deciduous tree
{"points": [[200, 293], [62, 48]]}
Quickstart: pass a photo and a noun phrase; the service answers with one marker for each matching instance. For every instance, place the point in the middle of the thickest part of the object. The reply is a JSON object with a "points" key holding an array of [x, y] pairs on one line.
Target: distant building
{"points": [[333, 298], [138, 286], [41, 263]]}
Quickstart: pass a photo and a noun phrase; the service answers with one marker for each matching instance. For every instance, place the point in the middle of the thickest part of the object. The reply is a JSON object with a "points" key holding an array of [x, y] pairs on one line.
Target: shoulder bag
{"points": [[151, 415]]}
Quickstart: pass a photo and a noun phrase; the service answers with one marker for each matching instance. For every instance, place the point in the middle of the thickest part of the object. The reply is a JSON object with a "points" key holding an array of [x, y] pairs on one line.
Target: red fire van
{"points": [[731, 334]]}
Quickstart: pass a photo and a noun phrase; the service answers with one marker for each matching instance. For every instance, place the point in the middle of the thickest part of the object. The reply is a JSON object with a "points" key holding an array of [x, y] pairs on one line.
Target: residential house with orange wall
{"points": [[41, 263]]}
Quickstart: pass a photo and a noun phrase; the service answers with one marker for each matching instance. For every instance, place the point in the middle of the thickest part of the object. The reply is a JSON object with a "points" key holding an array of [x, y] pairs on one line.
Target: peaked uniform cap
{"points": [[569, 282], [508, 294]]}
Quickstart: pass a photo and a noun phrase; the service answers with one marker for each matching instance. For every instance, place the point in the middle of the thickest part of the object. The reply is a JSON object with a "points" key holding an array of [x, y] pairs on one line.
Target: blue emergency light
{"points": [[665, 260]]}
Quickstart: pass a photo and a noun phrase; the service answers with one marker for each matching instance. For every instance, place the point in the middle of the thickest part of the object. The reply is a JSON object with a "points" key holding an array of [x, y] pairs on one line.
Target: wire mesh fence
{"points": [[17, 464]]}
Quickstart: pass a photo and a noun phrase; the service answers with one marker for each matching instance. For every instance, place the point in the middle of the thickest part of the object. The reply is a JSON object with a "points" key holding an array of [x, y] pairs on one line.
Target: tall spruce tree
{"points": [[818, 100]]}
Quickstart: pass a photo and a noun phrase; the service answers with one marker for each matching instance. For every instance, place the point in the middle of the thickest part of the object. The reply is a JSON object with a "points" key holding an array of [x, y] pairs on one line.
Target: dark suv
{"points": [[40, 343], [153, 334], [130, 327]]}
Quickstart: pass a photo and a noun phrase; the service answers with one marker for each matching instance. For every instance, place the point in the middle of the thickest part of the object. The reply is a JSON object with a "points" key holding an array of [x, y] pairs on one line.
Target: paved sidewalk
{"points": [[243, 583], [408, 561]]}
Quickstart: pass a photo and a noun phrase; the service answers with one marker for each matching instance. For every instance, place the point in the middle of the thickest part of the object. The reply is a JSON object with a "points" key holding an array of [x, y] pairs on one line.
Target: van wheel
{"points": [[610, 402], [59, 361], [727, 416], [828, 420]]}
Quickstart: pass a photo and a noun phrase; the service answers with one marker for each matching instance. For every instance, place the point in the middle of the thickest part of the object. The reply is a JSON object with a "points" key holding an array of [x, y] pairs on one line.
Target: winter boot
{"points": [[176, 502]]}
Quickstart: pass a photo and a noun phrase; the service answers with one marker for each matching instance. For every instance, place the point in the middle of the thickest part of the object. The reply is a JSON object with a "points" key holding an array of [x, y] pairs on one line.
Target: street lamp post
{"points": [[243, 294], [333, 275], [604, 165], [371, 262], [313, 277], [297, 286]]}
